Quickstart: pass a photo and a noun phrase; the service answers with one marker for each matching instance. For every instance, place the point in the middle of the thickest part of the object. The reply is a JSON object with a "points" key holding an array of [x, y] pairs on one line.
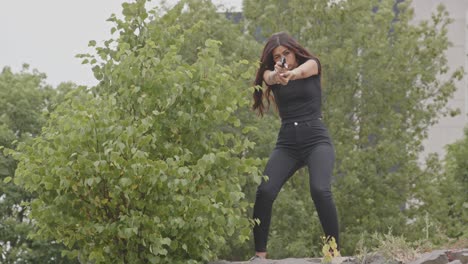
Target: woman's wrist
{"points": [[273, 78], [296, 73]]}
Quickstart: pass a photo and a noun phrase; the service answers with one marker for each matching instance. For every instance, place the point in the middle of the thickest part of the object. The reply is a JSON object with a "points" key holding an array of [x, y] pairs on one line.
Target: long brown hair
{"points": [[267, 63]]}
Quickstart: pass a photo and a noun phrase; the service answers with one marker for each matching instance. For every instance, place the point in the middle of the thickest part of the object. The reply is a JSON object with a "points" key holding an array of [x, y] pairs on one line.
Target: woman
{"points": [[293, 75]]}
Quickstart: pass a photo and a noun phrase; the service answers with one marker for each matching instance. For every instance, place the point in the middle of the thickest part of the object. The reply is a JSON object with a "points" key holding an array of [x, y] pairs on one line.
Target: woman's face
{"points": [[282, 51]]}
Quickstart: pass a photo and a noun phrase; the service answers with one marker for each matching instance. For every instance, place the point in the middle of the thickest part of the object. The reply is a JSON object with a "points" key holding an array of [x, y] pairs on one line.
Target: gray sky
{"points": [[47, 34]]}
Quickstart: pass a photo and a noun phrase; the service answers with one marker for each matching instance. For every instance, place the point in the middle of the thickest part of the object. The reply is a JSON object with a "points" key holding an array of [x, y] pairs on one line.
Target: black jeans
{"points": [[299, 144]]}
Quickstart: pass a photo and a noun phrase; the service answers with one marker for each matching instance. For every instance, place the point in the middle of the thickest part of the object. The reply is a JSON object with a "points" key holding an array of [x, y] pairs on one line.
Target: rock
{"points": [[297, 261], [377, 258], [345, 260], [273, 261], [337, 260], [435, 257], [461, 255]]}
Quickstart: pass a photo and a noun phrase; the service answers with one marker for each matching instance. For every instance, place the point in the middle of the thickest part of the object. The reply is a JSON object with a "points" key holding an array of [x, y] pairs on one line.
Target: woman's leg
{"points": [[279, 168], [320, 163]]}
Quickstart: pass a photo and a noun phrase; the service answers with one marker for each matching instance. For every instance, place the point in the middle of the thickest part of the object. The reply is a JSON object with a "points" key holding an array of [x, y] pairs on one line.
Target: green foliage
{"points": [[23, 98], [442, 198], [150, 165], [329, 249], [455, 187]]}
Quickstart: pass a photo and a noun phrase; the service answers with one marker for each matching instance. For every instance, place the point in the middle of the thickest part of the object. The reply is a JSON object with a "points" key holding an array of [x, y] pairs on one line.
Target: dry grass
{"points": [[397, 248]]}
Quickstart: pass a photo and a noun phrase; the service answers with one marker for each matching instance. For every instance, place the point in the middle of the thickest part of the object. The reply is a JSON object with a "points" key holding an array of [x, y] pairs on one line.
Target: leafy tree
{"points": [[24, 97], [443, 200], [381, 93], [150, 165], [455, 188]]}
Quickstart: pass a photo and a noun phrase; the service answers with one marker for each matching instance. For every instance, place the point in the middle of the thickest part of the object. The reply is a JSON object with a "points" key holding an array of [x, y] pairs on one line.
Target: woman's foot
{"points": [[258, 256], [261, 254], [255, 258]]}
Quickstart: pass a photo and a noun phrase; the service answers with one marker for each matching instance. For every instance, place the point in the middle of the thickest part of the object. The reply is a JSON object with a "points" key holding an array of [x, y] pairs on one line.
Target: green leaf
{"points": [[125, 182]]}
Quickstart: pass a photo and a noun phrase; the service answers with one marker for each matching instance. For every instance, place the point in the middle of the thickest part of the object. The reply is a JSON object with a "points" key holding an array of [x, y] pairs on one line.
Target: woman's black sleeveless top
{"points": [[299, 100]]}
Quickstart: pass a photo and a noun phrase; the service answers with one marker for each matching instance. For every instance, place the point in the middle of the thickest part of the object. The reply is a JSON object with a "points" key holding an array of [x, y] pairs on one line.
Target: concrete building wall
{"points": [[449, 129]]}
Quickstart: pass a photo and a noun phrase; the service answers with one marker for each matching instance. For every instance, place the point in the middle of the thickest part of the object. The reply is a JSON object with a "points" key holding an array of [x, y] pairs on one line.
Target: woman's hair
{"points": [[267, 63]]}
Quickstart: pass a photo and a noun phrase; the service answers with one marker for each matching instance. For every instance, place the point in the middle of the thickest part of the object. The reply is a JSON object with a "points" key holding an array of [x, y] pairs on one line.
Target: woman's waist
{"points": [[301, 121]]}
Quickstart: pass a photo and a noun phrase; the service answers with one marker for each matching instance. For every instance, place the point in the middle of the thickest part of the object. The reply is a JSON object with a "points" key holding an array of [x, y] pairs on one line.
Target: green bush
{"points": [[149, 166]]}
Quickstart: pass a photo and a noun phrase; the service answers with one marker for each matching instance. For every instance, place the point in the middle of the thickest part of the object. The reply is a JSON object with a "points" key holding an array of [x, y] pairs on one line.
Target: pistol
{"points": [[283, 61]]}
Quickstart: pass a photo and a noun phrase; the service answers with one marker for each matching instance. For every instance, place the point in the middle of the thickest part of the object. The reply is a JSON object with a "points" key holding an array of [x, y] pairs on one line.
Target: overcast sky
{"points": [[47, 34]]}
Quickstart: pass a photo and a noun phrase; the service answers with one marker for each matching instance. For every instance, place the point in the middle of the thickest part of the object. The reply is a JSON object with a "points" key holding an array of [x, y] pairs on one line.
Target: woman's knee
{"points": [[320, 193], [266, 193]]}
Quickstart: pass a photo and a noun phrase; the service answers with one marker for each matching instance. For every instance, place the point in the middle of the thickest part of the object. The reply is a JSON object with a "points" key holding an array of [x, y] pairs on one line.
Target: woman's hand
{"points": [[280, 71], [282, 75], [289, 75], [274, 77], [305, 70]]}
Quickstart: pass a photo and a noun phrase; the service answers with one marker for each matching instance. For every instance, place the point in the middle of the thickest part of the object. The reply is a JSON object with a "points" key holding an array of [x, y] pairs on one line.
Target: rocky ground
{"points": [[459, 256]]}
